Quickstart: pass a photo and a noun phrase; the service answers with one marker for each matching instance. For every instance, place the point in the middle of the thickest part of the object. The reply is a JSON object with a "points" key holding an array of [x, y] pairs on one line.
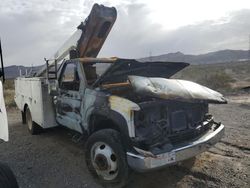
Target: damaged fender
{"points": [[126, 108]]}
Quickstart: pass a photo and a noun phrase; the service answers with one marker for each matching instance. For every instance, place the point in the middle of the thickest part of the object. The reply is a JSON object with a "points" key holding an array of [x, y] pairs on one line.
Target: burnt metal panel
{"points": [[122, 68], [95, 30], [173, 89]]}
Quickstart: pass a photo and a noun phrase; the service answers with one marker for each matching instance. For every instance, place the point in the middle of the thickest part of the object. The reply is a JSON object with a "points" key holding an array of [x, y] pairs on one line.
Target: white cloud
{"points": [[173, 14], [34, 29], [141, 37]]}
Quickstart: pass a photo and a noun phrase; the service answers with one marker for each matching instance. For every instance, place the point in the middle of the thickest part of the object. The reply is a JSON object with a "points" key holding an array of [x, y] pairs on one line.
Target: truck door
{"points": [[68, 103]]}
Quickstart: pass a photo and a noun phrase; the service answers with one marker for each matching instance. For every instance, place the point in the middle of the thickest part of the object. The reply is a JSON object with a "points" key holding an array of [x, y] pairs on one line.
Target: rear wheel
{"points": [[32, 126], [106, 158], [23, 117], [7, 178]]}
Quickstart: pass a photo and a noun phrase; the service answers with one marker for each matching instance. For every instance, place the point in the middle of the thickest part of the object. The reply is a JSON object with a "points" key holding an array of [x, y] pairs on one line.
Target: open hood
{"points": [[173, 89], [122, 68]]}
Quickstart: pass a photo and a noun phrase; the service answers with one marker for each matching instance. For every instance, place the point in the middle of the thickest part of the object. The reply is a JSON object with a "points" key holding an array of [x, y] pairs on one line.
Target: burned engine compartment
{"points": [[172, 111], [161, 124]]}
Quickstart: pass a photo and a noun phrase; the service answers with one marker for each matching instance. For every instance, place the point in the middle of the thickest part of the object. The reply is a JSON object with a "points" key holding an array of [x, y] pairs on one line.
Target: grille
{"points": [[178, 121], [189, 134]]}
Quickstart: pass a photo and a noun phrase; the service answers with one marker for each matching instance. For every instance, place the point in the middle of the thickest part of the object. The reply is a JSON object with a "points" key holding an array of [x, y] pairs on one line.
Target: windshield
{"points": [[94, 70]]}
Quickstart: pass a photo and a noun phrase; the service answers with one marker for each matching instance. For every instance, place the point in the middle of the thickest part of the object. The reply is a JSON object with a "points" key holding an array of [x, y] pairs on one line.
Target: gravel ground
{"points": [[53, 159]]}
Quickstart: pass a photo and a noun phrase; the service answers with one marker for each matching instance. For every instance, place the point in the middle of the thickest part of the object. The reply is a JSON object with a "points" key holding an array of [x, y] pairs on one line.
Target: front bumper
{"points": [[181, 152]]}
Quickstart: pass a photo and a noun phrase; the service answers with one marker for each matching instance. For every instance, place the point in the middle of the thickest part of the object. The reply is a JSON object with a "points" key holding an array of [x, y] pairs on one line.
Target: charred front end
{"points": [[160, 125], [167, 119], [168, 131]]}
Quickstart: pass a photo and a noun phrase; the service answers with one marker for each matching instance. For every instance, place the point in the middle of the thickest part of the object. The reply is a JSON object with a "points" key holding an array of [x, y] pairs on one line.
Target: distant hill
{"points": [[223, 56], [14, 71], [208, 58]]}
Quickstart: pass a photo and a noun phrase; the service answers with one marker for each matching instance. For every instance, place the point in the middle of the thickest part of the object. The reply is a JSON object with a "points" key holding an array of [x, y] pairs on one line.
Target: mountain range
{"points": [[14, 71], [221, 56]]}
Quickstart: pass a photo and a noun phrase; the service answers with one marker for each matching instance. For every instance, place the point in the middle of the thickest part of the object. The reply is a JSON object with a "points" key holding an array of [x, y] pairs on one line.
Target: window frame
{"points": [[63, 72]]}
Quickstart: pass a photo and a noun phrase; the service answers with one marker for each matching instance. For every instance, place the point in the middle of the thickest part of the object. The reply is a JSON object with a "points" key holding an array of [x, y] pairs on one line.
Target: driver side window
{"points": [[70, 78]]}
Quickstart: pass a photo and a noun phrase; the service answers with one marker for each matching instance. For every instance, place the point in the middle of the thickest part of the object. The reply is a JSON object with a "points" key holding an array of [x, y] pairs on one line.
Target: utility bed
{"points": [[33, 92]]}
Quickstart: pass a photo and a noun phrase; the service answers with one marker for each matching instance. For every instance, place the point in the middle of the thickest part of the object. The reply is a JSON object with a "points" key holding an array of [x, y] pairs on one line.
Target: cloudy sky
{"points": [[33, 29]]}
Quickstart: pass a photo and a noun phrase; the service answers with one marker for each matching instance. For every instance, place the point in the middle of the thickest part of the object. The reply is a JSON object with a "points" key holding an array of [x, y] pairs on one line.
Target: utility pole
{"points": [[1, 57]]}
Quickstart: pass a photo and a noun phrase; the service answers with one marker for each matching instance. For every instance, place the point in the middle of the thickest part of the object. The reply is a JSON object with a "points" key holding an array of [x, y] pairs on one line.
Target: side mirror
{"points": [[53, 87]]}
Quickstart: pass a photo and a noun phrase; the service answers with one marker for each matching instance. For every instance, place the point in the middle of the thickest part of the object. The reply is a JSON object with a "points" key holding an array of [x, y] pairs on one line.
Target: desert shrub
{"points": [[9, 92], [218, 80], [9, 98], [9, 85]]}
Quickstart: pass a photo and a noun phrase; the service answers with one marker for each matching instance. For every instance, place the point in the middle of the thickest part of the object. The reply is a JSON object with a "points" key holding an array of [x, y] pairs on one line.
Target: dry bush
{"points": [[218, 80], [9, 93], [214, 76], [9, 85], [9, 98]]}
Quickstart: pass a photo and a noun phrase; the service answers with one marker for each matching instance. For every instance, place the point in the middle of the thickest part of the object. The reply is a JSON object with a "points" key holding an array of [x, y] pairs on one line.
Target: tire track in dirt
{"points": [[242, 148]]}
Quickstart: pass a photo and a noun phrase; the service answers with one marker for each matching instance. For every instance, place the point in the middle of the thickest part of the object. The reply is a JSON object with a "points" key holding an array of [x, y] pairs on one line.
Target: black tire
{"points": [[32, 126], [113, 139], [7, 178], [23, 117]]}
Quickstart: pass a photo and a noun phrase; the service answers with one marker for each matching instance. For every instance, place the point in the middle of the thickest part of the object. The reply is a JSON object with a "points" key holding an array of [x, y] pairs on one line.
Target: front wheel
{"points": [[106, 158]]}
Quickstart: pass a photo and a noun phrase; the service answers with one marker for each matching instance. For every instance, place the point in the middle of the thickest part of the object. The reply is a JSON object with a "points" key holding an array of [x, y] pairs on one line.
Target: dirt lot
{"points": [[53, 159]]}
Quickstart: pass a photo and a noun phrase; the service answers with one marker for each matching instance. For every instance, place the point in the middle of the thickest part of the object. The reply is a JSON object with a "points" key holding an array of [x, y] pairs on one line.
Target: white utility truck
{"points": [[135, 116]]}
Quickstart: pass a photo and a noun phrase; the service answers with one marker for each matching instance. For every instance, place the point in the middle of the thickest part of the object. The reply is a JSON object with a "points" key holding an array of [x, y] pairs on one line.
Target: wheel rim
{"points": [[104, 160], [29, 120]]}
